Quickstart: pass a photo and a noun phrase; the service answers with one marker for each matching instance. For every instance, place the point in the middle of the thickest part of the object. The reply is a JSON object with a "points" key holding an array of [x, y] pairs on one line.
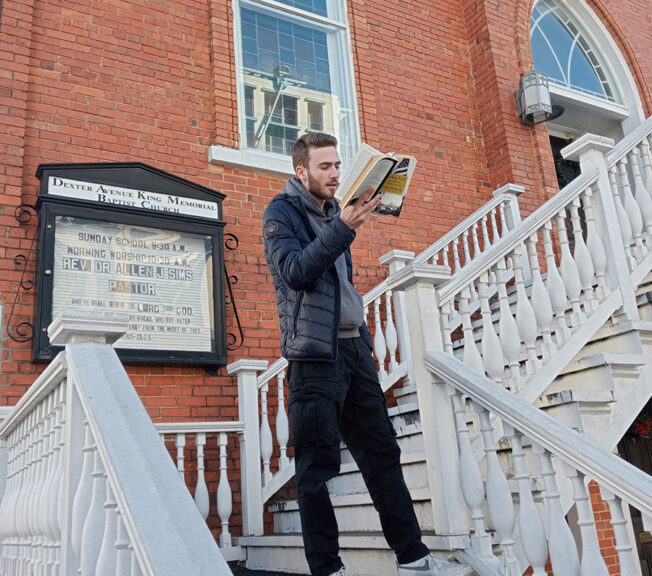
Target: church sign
{"points": [[131, 239]]}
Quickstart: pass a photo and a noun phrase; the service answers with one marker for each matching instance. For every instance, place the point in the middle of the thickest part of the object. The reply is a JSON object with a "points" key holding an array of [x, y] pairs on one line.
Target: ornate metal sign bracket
{"points": [[23, 331], [234, 341]]}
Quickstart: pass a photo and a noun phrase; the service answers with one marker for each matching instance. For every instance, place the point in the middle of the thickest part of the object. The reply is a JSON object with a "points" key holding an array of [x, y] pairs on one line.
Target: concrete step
{"points": [[364, 554]]}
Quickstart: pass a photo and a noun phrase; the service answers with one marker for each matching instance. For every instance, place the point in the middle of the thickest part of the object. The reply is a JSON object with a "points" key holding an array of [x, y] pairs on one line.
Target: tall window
{"points": [[563, 52], [294, 73]]}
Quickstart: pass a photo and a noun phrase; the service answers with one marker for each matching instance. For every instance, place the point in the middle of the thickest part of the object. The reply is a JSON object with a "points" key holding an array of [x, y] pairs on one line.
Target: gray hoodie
{"points": [[351, 308]]}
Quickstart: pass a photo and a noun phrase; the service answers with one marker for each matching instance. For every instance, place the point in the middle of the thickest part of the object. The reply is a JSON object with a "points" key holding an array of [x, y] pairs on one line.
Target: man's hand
{"points": [[357, 212]]}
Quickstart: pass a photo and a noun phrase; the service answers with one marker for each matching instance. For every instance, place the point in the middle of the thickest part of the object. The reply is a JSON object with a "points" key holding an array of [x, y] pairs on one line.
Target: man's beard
{"points": [[317, 190]]}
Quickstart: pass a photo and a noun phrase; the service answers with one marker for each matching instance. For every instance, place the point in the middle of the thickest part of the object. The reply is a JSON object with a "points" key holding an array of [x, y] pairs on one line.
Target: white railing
{"points": [[89, 486], [542, 449], [590, 265], [194, 440]]}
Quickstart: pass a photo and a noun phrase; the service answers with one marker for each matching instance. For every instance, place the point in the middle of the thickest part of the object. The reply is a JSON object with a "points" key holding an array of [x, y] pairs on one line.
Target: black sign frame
{"points": [[135, 176]]}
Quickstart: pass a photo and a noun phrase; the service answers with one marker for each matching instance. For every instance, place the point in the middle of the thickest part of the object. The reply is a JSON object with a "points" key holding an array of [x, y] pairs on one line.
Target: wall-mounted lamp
{"points": [[533, 98]]}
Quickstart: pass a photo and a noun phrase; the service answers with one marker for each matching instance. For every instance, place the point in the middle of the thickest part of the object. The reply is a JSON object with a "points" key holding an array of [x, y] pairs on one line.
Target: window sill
{"points": [[266, 162]]}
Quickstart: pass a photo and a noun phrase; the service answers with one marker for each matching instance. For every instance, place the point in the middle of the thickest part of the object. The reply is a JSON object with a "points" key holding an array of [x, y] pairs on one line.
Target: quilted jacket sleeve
{"points": [[298, 259]]}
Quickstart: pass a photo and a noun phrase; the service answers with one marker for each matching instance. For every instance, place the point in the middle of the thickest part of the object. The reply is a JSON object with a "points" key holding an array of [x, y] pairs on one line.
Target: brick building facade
{"points": [[156, 82]]}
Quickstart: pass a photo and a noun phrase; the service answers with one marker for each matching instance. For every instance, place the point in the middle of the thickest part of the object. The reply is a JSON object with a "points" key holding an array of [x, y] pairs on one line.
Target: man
{"points": [[334, 388]]}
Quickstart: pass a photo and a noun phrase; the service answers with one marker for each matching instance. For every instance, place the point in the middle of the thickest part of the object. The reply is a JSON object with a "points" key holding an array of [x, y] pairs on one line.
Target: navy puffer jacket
{"points": [[302, 263]]}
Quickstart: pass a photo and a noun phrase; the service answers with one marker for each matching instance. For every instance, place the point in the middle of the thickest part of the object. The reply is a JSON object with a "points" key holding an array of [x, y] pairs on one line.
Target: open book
{"points": [[388, 174]]}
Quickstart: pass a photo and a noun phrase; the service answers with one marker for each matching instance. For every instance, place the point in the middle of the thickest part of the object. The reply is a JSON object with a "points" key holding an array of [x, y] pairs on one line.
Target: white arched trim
{"points": [[621, 78]]}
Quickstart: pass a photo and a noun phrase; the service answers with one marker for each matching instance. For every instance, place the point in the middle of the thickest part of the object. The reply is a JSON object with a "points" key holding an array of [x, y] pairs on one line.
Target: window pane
{"points": [[561, 50], [288, 66]]}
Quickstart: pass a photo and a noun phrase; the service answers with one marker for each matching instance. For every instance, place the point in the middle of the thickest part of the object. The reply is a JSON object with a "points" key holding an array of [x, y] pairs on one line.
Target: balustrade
{"points": [[527, 435], [84, 494]]}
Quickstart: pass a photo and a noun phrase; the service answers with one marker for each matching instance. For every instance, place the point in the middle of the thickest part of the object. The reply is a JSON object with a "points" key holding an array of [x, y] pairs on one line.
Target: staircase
{"points": [[554, 308], [516, 352]]}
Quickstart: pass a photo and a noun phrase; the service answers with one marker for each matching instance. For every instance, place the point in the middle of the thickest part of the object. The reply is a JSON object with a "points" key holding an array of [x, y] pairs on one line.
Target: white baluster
{"points": [[525, 317], [623, 219], [444, 255], [58, 504], [476, 244], [471, 355], [380, 348], [564, 558], [465, 245], [201, 490], [595, 245], [644, 148], [504, 226], [224, 499], [555, 287], [106, 559], [510, 338], [592, 563], [492, 351], [93, 532], [499, 497], [624, 547], [180, 443], [456, 255], [82, 498], [135, 566], [390, 332], [282, 426], [48, 523], [632, 209], [266, 444], [641, 196], [444, 314], [123, 553], [36, 521], [494, 227], [486, 243], [471, 478], [569, 272], [582, 258], [533, 534], [540, 300]]}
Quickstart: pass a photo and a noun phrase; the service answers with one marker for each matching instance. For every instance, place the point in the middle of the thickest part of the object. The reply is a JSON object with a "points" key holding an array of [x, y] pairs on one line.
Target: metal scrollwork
{"points": [[233, 340], [22, 331]]}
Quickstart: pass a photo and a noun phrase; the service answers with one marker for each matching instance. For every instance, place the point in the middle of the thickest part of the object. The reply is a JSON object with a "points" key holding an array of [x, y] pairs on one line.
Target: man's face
{"points": [[321, 177]]}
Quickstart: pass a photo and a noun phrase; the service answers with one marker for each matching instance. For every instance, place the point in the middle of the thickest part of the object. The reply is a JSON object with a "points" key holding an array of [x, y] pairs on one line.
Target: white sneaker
{"points": [[432, 566], [340, 572]]}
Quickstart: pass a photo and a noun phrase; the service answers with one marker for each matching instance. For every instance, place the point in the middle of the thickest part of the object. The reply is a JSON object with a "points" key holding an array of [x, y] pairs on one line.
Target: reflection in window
{"points": [[294, 69], [563, 52]]}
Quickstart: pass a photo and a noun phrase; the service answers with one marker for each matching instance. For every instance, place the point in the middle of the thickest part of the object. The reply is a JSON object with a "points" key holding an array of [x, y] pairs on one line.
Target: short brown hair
{"points": [[301, 148]]}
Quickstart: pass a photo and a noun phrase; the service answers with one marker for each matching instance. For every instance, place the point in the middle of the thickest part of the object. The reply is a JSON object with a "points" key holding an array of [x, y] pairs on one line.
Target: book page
{"points": [[375, 177], [362, 156]]}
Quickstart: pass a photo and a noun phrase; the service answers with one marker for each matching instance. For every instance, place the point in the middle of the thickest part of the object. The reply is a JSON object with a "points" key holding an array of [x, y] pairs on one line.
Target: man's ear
{"points": [[300, 171]]}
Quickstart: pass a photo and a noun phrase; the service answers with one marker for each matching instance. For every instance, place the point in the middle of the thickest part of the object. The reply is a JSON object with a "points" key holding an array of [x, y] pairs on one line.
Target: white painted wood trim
{"points": [[266, 162], [198, 427]]}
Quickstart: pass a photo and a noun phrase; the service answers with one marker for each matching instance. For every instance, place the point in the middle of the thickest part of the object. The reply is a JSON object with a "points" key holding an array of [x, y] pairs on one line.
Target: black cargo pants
{"points": [[329, 400]]}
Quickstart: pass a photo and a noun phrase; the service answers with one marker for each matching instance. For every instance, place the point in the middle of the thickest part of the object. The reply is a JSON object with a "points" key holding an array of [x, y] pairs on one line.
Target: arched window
{"points": [[565, 53]]}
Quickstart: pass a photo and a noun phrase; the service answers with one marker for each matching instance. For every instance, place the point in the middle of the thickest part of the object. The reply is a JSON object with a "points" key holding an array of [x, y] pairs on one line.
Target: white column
{"points": [[589, 150], [439, 436], [252, 490]]}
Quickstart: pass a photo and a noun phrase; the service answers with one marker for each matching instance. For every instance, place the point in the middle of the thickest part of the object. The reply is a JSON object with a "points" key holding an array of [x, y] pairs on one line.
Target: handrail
{"points": [[622, 148], [610, 471], [274, 370], [198, 427]]}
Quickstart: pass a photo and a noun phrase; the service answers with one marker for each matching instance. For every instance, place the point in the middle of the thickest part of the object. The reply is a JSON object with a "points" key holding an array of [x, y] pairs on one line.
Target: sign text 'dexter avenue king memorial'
{"points": [[140, 242]]}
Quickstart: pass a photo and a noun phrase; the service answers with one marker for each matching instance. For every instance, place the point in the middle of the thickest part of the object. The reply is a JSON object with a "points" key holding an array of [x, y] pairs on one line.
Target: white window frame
{"points": [[270, 162]]}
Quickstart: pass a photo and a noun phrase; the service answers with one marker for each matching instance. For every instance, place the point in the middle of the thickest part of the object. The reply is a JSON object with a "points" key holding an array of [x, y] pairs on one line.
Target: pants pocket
{"points": [[314, 423]]}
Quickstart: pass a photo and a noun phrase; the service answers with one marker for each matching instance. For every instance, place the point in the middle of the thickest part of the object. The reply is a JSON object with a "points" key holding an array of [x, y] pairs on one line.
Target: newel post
{"points": [[252, 488], [437, 419], [589, 151], [397, 260], [512, 213]]}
